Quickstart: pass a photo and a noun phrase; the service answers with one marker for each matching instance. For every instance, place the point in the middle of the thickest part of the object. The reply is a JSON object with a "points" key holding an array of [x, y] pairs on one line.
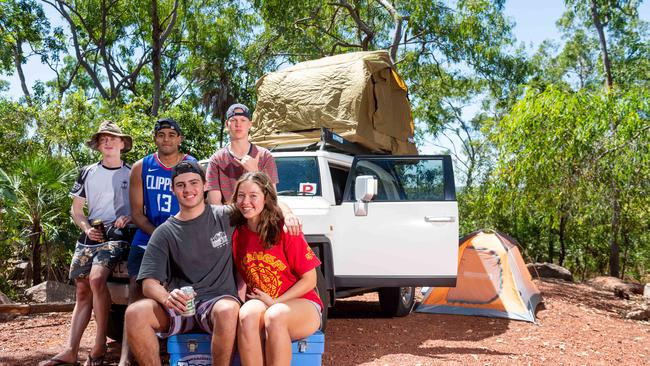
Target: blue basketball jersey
{"points": [[159, 201]]}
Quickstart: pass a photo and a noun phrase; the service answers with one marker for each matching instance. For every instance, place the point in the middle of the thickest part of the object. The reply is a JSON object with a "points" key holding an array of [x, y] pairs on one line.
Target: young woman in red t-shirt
{"points": [[279, 270]]}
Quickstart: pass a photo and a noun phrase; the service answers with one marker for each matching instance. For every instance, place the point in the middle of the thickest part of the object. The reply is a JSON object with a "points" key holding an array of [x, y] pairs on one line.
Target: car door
{"points": [[409, 236]]}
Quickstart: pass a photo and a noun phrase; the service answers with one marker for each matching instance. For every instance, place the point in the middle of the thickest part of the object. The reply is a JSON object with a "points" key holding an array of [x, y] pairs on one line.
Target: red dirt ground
{"points": [[577, 325]]}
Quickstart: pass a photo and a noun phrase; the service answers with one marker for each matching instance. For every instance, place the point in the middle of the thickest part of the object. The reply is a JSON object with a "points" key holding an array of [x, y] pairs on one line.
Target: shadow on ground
{"points": [[576, 293], [358, 333], [112, 356]]}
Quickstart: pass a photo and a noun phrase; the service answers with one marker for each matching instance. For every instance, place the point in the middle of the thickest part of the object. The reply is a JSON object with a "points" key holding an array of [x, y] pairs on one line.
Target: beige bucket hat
{"points": [[110, 128]]}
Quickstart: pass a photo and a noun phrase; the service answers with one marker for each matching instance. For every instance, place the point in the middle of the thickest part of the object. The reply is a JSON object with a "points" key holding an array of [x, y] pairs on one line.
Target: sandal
{"points": [[94, 361], [59, 362]]}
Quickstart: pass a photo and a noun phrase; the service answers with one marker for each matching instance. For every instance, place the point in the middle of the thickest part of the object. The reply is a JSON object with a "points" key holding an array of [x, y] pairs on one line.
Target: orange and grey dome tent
{"points": [[492, 281]]}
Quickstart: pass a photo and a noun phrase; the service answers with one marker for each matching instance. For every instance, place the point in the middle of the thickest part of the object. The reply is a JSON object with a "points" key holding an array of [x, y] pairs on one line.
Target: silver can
{"points": [[189, 306]]}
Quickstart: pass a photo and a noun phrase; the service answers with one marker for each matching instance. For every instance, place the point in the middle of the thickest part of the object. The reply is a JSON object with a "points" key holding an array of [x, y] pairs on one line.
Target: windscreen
{"points": [[298, 176]]}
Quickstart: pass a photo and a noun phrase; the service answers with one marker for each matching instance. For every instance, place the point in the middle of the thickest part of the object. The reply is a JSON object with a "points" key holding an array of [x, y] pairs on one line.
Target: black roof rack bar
{"points": [[329, 141], [312, 147], [330, 138]]}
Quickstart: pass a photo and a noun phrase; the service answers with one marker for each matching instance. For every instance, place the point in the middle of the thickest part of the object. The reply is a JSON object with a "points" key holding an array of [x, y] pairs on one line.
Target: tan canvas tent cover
{"points": [[357, 95], [492, 281]]}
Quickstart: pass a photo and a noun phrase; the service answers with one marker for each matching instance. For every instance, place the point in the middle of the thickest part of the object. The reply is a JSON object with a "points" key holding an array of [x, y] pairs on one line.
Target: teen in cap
{"points": [[152, 200]]}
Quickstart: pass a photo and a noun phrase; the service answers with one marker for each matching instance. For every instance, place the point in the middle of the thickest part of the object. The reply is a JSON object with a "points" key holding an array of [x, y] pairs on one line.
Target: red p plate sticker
{"points": [[307, 188]]}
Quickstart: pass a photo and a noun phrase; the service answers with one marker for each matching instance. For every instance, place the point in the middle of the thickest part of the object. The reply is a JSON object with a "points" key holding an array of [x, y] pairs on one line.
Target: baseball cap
{"points": [[244, 111], [167, 123], [187, 166]]}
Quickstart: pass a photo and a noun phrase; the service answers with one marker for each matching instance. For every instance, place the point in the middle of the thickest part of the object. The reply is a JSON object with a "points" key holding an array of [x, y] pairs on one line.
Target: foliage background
{"points": [[556, 156]]}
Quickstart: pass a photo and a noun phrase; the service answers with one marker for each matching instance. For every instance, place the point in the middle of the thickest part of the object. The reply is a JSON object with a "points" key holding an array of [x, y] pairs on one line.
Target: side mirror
{"points": [[365, 188]]}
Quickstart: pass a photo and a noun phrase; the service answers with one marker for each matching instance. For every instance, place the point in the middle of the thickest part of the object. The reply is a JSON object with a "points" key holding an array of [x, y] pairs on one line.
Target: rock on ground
{"points": [[5, 300], [549, 270], [639, 314], [21, 271], [620, 288], [51, 291]]}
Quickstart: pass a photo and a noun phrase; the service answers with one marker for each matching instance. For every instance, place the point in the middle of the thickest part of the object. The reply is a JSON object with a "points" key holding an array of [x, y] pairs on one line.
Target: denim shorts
{"points": [[135, 260]]}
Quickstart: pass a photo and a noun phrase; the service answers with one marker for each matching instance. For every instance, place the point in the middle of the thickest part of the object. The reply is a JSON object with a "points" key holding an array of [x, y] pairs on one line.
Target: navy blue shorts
{"points": [[135, 260]]}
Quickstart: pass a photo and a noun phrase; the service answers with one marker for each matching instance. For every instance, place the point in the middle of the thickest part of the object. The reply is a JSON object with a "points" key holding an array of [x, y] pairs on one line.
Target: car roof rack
{"points": [[329, 141]]}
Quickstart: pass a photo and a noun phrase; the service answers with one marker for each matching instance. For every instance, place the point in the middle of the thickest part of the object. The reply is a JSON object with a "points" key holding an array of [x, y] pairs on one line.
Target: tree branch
{"points": [[75, 41], [398, 20], [18, 63], [361, 25], [168, 30]]}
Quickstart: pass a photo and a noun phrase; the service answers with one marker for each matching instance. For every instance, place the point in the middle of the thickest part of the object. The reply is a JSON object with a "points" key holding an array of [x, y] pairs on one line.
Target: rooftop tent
{"points": [[492, 281], [359, 96]]}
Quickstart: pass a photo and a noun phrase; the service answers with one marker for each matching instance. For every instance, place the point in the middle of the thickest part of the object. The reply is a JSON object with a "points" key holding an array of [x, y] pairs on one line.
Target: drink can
{"points": [[98, 224], [189, 306]]}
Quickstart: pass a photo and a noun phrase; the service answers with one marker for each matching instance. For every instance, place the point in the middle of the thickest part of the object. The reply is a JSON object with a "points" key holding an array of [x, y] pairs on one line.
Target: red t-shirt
{"points": [[273, 270]]}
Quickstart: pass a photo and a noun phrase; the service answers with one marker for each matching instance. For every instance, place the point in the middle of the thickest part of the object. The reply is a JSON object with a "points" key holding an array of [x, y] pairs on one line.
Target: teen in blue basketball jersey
{"points": [[152, 201]]}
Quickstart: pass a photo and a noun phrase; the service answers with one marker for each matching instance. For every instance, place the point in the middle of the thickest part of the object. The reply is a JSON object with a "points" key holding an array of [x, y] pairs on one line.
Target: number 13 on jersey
{"points": [[164, 202]]}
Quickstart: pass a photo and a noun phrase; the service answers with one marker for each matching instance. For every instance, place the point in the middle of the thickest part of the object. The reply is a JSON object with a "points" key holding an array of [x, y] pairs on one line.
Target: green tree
{"points": [[105, 39], [14, 133], [22, 23], [557, 160], [36, 196], [613, 17], [452, 55]]}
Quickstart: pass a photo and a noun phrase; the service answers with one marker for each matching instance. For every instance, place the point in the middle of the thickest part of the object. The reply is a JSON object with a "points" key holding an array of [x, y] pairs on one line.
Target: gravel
{"points": [[577, 325]]}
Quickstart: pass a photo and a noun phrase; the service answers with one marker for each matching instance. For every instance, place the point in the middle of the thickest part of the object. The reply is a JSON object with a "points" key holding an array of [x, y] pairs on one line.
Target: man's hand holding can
{"points": [[181, 300]]}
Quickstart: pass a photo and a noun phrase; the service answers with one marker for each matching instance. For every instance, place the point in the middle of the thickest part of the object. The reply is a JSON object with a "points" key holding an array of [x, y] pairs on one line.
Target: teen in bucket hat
{"points": [[110, 128]]}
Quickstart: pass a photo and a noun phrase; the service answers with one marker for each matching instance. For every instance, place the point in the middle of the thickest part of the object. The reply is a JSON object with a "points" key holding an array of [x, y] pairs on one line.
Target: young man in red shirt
{"points": [[236, 158]]}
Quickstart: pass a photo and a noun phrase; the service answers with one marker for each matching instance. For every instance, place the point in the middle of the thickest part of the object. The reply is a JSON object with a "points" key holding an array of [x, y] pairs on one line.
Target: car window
{"points": [[403, 179], [339, 177], [298, 176]]}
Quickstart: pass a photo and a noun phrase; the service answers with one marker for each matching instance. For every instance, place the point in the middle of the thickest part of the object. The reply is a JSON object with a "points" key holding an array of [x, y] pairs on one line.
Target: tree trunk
{"points": [[609, 81], [156, 50], [614, 258], [35, 240], [551, 249], [159, 36], [221, 129], [626, 245], [398, 20], [18, 63], [562, 237], [49, 272]]}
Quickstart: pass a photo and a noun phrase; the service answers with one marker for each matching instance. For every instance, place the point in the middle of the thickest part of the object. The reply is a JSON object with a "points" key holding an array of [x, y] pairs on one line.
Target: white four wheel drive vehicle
{"points": [[384, 223]]}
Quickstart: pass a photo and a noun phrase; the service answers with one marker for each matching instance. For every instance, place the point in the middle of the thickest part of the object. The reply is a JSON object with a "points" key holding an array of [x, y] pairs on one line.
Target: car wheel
{"points": [[321, 288], [115, 325], [396, 301]]}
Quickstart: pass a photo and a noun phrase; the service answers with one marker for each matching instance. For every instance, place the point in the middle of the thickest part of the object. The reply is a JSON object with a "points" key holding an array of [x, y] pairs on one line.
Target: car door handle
{"points": [[439, 219]]}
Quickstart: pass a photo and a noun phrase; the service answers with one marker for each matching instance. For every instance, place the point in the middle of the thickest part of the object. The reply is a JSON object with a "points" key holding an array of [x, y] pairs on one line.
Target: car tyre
{"points": [[321, 288], [396, 301]]}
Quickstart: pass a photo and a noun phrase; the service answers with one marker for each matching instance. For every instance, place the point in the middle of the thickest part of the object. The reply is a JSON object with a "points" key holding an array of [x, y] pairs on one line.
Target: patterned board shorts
{"points": [[106, 254], [179, 324]]}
